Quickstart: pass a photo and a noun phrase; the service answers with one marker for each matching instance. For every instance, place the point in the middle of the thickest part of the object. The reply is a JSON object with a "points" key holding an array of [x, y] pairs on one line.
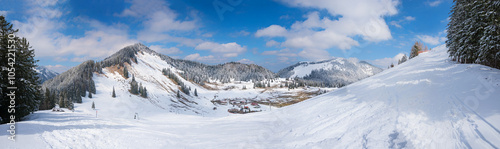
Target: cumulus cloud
{"points": [[43, 29], [227, 50], [358, 18], [272, 43], [163, 50], [432, 40], [384, 62], [159, 21], [272, 31]]}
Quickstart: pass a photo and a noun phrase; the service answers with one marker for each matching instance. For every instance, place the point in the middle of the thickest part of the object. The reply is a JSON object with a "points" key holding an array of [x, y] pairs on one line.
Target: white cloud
{"points": [[283, 53], [244, 33], [3, 13], [272, 43], [58, 68], [228, 49], [384, 62], [432, 40], [207, 59], [246, 61], [272, 31], [208, 35], [435, 3], [409, 18], [358, 18], [143, 9], [163, 50], [398, 22], [43, 29], [159, 21]]}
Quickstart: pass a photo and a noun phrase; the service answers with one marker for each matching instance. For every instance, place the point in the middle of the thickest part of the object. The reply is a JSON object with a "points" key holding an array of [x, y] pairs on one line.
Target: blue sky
{"points": [[270, 33]]}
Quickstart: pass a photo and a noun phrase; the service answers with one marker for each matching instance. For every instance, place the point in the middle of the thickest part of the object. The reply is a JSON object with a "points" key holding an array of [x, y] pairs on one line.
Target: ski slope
{"points": [[426, 102]]}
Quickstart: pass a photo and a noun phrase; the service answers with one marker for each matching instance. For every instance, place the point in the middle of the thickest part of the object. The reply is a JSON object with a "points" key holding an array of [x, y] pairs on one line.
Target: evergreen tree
{"points": [[90, 95], [404, 59], [93, 106], [196, 92], [178, 94], [61, 100], [415, 49], [113, 94], [53, 99], [134, 87], [28, 93], [473, 32], [125, 72], [46, 100], [140, 89]]}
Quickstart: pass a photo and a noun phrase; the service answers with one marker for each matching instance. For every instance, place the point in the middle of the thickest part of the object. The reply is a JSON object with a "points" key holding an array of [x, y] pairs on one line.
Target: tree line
{"points": [[474, 32]]}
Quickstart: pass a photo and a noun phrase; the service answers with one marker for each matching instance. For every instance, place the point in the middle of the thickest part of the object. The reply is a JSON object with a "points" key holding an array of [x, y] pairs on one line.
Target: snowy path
{"points": [[427, 102]]}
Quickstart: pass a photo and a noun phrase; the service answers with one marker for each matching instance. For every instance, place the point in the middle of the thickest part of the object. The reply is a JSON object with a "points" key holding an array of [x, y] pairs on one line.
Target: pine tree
{"points": [[90, 95], [125, 72], [134, 87], [61, 100], [178, 94], [473, 32], [93, 106], [28, 92], [404, 59], [196, 92], [46, 100], [113, 94]]}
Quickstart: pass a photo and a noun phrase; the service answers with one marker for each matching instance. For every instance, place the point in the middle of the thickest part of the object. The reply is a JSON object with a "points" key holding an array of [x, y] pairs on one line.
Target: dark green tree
{"points": [[61, 100], [93, 106], [113, 94], [195, 92], [28, 93], [473, 32], [125, 72], [90, 95], [144, 92]]}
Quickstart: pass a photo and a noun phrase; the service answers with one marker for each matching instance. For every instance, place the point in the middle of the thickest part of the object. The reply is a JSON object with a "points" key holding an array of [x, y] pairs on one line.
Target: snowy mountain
{"points": [[45, 74], [426, 102], [215, 85], [334, 72]]}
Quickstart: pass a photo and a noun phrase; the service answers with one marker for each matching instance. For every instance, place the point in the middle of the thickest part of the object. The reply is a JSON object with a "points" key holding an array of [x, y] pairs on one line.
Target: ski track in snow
{"points": [[427, 102]]}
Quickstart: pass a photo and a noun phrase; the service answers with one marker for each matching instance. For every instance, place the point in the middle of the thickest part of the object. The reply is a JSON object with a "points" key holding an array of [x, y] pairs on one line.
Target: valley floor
{"points": [[427, 102]]}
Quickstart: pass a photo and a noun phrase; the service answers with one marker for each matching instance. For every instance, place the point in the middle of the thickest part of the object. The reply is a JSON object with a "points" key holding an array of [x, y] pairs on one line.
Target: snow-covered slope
{"points": [[427, 102], [45, 74], [333, 72]]}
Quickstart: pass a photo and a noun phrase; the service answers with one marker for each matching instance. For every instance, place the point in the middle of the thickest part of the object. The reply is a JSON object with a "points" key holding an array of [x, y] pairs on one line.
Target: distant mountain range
{"points": [[45, 74], [335, 72], [163, 77]]}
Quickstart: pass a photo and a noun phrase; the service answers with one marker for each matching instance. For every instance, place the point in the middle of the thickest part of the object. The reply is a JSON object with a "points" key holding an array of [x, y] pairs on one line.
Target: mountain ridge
{"points": [[335, 72]]}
